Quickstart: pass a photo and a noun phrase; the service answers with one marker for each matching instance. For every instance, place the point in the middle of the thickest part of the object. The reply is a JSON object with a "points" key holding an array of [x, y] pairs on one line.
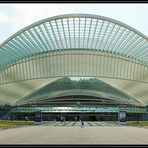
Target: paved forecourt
{"points": [[74, 134]]}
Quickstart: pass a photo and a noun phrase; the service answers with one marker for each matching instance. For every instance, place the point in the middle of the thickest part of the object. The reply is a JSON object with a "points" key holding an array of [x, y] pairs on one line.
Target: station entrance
{"points": [[76, 116]]}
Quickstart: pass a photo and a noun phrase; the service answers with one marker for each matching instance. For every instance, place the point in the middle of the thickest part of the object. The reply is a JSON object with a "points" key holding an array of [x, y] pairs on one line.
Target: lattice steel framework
{"points": [[75, 45]]}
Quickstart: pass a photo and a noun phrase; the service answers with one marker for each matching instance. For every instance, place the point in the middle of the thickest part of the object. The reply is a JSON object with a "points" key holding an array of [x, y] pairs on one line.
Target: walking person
{"points": [[26, 118], [62, 119], [81, 121]]}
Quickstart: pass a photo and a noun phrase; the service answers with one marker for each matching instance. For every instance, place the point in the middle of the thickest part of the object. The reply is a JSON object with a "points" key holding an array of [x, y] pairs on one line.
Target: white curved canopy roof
{"points": [[105, 43], [75, 31]]}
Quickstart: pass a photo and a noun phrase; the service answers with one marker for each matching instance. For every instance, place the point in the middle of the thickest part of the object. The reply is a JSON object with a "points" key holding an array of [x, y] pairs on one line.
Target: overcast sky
{"points": [[14, 17]]}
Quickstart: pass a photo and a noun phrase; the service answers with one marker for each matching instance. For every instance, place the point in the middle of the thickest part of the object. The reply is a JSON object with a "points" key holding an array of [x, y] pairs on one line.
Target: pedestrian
{"points": [[81, 121], [26, 118], [64, 119], [61, 119], [76, 118]]}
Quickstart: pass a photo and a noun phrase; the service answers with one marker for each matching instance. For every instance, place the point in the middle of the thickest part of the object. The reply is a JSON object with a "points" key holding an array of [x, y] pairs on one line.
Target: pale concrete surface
{"points": [[74, 135]]}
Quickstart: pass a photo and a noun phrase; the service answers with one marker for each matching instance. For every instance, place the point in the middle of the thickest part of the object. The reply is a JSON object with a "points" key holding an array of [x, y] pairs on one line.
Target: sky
{"points": [[14, 17]]}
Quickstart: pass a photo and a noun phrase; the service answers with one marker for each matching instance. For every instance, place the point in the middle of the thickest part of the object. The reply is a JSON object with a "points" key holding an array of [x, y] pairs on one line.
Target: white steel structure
{"points": [[74, 45]]}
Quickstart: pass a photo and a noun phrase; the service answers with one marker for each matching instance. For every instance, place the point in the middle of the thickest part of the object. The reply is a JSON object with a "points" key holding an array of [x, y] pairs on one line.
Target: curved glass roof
{"points": [[75, 31], [53, 92]]}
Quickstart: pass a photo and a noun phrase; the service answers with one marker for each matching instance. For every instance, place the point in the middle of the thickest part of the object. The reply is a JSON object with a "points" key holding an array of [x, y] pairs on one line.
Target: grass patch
{"points": [[11, 124], [135, 123]]}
